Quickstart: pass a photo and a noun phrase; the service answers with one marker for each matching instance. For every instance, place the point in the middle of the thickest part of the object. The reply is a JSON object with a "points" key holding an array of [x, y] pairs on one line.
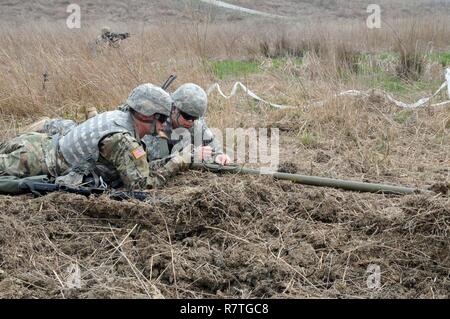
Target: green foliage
{"points": [[443, 58], [236, 68], [226, 68], [390, 83], [308, 139], [388, 56], [393, 84], [278, 63]]}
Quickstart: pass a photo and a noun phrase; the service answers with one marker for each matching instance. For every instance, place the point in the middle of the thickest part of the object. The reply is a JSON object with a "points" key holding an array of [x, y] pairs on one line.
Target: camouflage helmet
{"points": [[191, 99], [148, 99], [105, 30]]}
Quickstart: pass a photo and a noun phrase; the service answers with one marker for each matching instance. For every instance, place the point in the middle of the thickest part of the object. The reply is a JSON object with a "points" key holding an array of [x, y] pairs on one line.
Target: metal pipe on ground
{"points": [[314, 180]]}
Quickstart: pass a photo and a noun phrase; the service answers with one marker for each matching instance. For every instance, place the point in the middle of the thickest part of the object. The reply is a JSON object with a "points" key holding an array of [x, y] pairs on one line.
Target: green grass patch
{"points": [[391, 83], [394, 84], [443, 58], [308, 139], [388, 56], [278, 63], [235, 68]]}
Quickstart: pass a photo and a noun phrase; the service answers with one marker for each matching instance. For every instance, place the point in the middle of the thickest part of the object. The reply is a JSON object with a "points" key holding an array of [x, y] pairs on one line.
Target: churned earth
{"points": [[211, 236], [208, 235]]}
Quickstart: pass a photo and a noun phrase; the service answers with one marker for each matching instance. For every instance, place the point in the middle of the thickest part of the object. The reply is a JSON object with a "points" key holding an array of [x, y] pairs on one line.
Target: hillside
{"points": [[150, 11]]}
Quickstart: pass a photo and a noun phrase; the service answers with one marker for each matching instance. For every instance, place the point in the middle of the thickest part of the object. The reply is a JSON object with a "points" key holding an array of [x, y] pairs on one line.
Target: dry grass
{"points": [[211, 236], [78, 77], [227, 237]]}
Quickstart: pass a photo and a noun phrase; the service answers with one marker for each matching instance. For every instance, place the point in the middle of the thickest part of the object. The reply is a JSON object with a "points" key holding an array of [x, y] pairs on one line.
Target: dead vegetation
{"points": [[239, 236], [226, 237]]}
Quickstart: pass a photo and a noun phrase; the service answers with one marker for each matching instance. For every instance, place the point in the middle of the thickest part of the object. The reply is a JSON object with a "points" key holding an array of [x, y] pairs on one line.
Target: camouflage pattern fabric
{"points": [[80, 146], [29, 154], [122, 157], [207, 137], [110, 151], [120, 153], [191, 99], [113, 148], [149, 99], [157, 146], [58, 126]]}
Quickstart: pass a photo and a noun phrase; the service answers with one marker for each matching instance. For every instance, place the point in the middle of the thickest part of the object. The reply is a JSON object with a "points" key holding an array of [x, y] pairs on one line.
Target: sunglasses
{"points": [[161, 117], [146, 119], [188, 117]]}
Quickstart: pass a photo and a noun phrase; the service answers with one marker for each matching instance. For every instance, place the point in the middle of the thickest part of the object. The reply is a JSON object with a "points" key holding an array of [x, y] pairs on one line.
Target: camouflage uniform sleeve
{"points": [[129, 158], [176, 164], [158, 154]]}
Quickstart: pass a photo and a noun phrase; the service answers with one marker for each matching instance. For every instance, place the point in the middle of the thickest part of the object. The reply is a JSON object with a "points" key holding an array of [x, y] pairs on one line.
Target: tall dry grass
{"points": [[79, 77]]}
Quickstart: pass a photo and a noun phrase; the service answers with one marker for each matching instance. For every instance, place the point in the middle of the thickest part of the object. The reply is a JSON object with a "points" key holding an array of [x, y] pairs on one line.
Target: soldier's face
{"points": [[179, 121], [159, 127], [148, 125], [185, 123]]}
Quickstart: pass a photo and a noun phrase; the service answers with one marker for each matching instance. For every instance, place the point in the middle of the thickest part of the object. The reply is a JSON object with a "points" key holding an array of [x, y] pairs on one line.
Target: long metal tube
{"points": [[314, 180]]}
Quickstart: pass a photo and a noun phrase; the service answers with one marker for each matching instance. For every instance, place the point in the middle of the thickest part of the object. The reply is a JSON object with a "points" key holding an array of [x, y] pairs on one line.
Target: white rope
{"points": [[237, 85], [241, 9], [352, 93]]}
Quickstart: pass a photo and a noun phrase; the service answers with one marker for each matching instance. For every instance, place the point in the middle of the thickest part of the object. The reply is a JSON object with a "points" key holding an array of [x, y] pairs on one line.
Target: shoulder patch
{"points": [[138, 153]]}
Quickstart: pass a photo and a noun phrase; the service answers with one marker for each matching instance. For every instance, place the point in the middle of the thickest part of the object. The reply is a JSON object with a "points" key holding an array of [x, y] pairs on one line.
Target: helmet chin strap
{"points": [[153, 130], [177, 116], [178, 119]]}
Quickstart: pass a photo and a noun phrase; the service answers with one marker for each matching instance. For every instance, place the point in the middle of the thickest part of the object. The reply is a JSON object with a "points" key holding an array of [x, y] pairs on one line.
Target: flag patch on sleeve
{"points": [[138, 153]]}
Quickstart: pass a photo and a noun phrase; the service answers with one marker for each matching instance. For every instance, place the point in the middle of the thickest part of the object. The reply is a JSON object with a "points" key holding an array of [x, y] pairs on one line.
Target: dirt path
{"points": [[241, 9]]}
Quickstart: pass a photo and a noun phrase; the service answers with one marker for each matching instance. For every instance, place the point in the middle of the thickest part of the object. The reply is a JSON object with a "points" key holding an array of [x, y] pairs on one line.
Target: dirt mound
{"points": [[225, 236]]}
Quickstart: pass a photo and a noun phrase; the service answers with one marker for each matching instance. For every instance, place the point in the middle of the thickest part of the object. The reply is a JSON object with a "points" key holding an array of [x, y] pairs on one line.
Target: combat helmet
{"points": [[106, 30], [148, 99], [191, 99]]}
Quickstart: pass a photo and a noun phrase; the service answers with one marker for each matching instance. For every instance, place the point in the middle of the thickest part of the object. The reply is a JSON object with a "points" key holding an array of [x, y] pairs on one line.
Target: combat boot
{"points": [[91, 112]]}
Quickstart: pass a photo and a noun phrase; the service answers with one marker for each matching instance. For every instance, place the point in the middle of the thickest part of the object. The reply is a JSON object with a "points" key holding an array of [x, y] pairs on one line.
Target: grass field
{"points": [[235, 236]]}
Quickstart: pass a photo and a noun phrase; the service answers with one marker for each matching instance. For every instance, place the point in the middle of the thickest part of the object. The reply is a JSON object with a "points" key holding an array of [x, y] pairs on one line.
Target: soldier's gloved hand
{"points": [[222, 159], [179, 162], [182, 161]]}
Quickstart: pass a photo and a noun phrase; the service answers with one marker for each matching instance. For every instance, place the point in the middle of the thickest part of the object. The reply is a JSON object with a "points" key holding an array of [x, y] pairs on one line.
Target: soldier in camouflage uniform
{"points": [[107, 145], [187, 126], [109, 38], [29, 154]]}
